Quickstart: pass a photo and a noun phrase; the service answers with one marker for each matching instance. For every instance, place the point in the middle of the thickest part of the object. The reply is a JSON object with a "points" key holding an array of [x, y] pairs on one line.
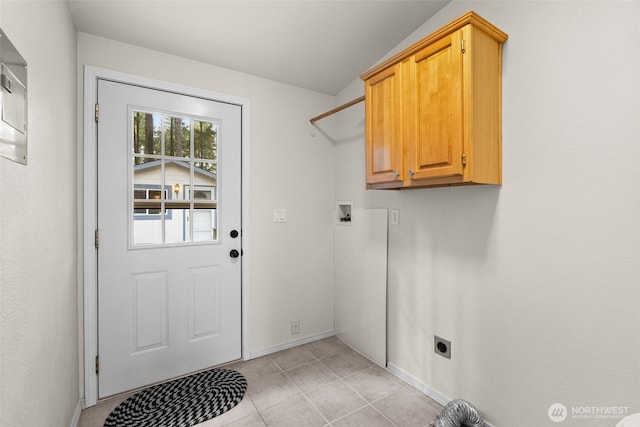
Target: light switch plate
{"points": [[280, 215]]}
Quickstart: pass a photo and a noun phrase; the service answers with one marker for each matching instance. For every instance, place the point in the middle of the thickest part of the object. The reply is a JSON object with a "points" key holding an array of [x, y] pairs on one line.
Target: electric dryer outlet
{"points": [[442, 346]]}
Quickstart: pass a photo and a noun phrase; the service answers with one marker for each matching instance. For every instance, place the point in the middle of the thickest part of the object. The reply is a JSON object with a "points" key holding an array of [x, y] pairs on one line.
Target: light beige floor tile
{"points": [[346, 363], [366, 416], [373, 383], [95, 416], [292, 358], [254, 420], [435, 405], [405, 409], [335, 400], [293, 413], [311, 376], [242, 410], [326, 347], [269, 391], [438, 407], [256, 368]]}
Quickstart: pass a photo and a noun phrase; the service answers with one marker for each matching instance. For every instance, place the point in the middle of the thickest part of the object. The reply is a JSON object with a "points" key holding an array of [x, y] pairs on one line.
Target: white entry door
{"points": [[169, 218]]}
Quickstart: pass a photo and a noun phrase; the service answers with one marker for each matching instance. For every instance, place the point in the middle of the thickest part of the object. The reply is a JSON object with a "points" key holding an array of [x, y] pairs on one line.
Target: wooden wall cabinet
{"points": [[433, 112]]}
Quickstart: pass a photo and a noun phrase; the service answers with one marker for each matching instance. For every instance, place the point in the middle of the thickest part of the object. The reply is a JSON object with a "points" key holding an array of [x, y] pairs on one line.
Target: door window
{"points": [[170, 155]]}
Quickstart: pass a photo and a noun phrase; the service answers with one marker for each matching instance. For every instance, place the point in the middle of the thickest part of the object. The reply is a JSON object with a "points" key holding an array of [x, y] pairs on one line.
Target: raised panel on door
{"points": [[205, 304], [383, 127], [149, 311], [437, 105]]}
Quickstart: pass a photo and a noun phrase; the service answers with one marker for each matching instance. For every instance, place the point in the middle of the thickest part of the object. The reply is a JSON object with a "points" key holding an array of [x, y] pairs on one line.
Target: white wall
{"points": [[38, 228], [536, 282], [291, 263]]}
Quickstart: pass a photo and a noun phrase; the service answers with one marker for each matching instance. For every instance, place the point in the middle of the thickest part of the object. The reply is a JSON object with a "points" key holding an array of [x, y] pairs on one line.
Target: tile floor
{"points": [[323, 383]]}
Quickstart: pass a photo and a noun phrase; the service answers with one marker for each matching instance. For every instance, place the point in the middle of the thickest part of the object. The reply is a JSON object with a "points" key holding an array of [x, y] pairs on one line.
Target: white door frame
{"points": [[89, 206]]}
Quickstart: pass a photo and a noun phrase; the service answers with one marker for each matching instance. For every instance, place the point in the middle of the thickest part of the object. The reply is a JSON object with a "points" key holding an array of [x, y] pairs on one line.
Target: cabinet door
{"points": [[436, 73], [383, 127]]}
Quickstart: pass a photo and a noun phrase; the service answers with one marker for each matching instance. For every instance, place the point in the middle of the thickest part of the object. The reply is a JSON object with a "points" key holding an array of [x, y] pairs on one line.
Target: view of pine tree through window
{"points": [[174, 154]]}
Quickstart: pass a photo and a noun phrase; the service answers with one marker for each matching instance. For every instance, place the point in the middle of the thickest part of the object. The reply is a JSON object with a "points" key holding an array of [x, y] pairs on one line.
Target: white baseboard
{"points": [[290, 344], [76, 413], [415, 382]]}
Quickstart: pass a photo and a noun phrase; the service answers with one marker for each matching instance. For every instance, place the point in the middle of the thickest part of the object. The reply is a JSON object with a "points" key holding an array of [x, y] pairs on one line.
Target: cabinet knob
{"points": [[396, 175], [411, 173]]}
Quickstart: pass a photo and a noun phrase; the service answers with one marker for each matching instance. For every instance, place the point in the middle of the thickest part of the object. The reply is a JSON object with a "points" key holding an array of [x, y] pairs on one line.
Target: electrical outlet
{"points": [[442, 346], [295, 327]]}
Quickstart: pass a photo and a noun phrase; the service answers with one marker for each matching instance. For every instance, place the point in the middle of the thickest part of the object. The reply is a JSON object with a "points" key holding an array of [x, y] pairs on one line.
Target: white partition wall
{"points": [[360, 292]]}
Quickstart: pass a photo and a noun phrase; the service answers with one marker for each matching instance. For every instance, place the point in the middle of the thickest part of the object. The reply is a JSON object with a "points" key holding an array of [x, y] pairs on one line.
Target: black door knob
{"points": [[234, 253], [234, 234]]}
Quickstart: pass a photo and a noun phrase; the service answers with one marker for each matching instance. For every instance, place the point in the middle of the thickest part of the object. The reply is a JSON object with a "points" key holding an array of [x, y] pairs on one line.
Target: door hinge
{"points": [[463, 48], [464, 159], [97, 238], [97, 111], [97, 364]]}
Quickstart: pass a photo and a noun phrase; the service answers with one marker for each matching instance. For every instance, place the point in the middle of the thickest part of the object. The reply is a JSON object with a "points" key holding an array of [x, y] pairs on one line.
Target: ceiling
{"points": [[318, 45]]}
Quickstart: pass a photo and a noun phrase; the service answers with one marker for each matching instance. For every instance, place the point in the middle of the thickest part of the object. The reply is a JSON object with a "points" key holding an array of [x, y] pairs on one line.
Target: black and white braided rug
{"points": [[182, 402]]}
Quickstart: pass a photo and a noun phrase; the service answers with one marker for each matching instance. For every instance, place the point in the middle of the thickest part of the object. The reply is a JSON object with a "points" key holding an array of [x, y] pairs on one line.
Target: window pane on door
{"points": [[177, 228], [146, 134], [203, 225], [204, 218], [205, 143], [177, 136], [206, 168]]}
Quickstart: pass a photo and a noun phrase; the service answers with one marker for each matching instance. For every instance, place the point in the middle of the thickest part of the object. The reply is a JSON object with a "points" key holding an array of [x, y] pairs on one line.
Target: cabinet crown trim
{"points": [[468, 18]]}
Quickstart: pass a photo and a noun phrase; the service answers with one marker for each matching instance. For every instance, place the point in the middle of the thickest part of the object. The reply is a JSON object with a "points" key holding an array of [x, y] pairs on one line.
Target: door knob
{"points": [[234, 234], [234, 253]]}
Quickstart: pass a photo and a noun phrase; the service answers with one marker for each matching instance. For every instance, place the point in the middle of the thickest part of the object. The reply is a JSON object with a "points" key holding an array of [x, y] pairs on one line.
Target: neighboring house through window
{"points": [[150, 192]]}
